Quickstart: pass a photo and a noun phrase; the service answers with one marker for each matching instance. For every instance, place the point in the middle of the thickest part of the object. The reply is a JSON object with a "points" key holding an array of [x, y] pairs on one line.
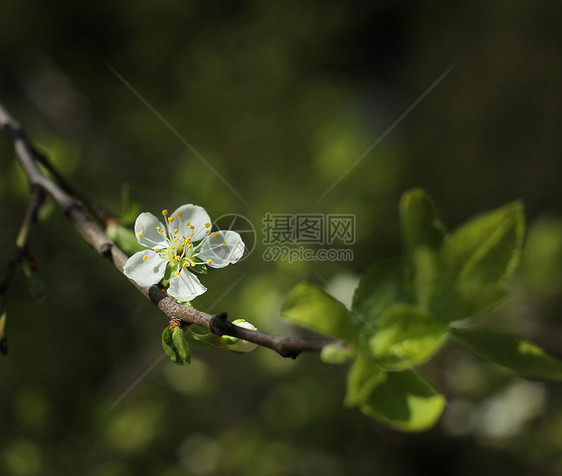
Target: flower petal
{"points": [[145, 271], [185, 286], [146, 232], [197, 218], [222, 248]]}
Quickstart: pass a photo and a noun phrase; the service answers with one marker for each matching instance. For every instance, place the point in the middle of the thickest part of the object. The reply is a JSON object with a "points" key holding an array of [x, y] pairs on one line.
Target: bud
{"points": [[240, 345], [175, 344], [3, 339], [336, 354]]}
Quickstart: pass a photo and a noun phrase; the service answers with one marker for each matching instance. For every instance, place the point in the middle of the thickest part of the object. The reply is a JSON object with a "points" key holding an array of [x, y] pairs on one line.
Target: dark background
{"points": [[281, 98]]}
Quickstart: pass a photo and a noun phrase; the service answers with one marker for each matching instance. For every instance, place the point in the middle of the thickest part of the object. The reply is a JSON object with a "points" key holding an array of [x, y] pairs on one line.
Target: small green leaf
{"points": [[402, 400], [130, 206], [380, 288], [512, 352], [199, 269], [420, 225], [175, 345], [335, 354], [309, 306], [37, 287], [124, 238], [168, 273], [200, 337], [406, 337]]}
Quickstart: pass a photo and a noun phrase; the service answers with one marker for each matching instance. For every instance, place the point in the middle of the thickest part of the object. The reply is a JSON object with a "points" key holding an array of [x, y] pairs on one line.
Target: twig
{"points": [[92, 234], [21, 254], [102, 216]]}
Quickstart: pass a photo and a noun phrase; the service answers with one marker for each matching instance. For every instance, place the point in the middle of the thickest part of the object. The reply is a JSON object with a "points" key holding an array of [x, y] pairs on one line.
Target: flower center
{"points": [[180, 251]]}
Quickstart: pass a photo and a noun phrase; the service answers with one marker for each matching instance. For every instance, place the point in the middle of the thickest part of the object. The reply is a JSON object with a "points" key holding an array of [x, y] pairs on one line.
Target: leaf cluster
{"points": [[406, 308]]}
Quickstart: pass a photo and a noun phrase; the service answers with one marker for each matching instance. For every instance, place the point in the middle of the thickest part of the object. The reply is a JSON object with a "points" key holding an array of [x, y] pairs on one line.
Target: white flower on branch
{"points": [[184, 245]]}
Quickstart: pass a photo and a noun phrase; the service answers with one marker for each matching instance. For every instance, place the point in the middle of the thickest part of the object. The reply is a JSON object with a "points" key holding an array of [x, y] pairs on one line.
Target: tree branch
{"points": [[63, 196]]}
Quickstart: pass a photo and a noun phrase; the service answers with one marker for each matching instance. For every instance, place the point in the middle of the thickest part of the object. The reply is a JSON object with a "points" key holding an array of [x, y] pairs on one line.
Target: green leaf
{"points": [[512, 352], [402, 400], [175, 345], [199, 269], [168, 273], [130, 206], [363, 377], [542, 260], [486, 250], [124, 238], [447, 297], [380, 288], [420, 225], [199, 337], [406, 337], [468, 275], [37, 287], [309, 306]]}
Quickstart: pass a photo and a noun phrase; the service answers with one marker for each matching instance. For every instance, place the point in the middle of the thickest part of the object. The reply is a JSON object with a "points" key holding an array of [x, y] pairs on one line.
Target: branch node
{"points": [[105, 250], [292, 354], [219, 324], [155, 294]]}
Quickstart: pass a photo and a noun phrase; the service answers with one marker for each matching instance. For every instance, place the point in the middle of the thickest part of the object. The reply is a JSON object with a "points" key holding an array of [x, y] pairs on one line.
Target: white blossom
{"points": [[184, 243]]}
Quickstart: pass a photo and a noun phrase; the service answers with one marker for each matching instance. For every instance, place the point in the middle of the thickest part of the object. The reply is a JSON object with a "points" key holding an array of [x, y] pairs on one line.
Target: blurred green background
{"points": [[281, 98]]}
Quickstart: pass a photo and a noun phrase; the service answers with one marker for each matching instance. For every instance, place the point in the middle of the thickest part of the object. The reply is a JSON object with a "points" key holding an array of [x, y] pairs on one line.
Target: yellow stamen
{"points": [[176, 239], [208, 232], [191, 227], [223, 243], [177, 273], [187, 224], [141, 235], [189, 245], [207, 225], [209, 261], [192, 263], [172, 247], [171, 219], [215, 234], [144, 257], [185, 265], [179, 214], [164, 212], [159, 230], [191, 234], [176, 231]]}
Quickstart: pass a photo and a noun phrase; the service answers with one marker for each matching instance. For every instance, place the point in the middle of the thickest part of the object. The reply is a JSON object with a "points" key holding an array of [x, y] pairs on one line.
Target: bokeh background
{"points": [[281, 98]]}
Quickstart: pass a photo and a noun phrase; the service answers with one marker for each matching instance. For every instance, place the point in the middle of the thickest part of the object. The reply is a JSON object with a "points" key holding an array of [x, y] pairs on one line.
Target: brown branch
{"points": [[92, 234]]}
